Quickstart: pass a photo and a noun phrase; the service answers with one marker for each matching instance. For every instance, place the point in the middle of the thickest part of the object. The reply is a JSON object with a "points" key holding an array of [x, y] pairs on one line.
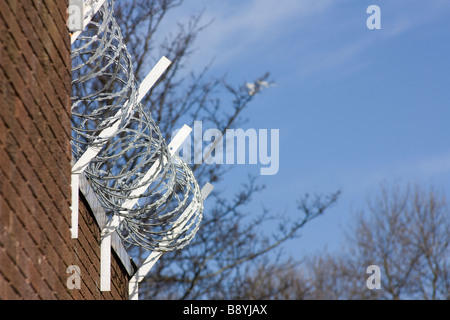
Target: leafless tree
{"points": [[408, 235], [336, 277], [230, 239], [230, 249], [268, 279], [406, 232]]}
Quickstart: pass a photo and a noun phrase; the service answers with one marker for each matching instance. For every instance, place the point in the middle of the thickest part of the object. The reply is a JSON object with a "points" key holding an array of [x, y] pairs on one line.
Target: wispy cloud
{"points": [[426, 168], [239, 25], [327, 61], [252, 30], [435, 165], [405, 16]]}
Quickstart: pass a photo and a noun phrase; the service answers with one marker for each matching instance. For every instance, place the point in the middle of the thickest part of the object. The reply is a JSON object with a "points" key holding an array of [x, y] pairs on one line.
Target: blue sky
{"points": [[354, 106]]}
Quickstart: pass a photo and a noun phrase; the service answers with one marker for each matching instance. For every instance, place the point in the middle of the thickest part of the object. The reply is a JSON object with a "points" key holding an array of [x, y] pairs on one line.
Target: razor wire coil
{"points": [[168, 208], [102, 80]]}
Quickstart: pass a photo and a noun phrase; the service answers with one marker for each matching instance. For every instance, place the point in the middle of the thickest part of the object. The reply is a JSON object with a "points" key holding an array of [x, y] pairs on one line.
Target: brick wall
{"points": [[35, 85], [87, 250]]}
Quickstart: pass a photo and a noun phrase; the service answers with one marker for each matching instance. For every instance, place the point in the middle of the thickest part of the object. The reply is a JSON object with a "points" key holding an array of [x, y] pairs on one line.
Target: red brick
{"points": [[35, 154]]}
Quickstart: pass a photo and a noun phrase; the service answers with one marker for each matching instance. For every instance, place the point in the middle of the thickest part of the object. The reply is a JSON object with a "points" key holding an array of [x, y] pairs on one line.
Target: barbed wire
{"points": [[133, 174], [102, 80], [173, 224]]}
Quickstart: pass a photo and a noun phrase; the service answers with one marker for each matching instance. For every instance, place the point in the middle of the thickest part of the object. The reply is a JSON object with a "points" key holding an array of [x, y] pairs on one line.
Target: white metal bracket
{"points": [[100, 142], [75, 186], [93, 150], [141, 273], [105, 246], [77, 20]]}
